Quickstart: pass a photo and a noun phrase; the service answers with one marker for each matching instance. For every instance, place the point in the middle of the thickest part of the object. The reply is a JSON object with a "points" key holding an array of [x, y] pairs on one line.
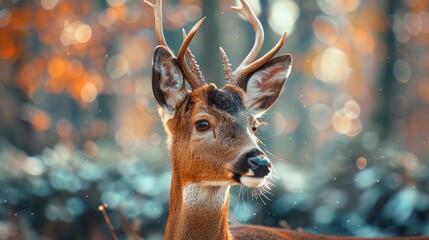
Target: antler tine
{"points": [[181, 55], [256, 64], [248, 13], [226, 67], [195, 68], [249, 64], [157, 11]]}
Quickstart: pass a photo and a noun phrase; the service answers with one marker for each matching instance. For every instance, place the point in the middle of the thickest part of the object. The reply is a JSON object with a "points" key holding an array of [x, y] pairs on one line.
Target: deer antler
{"points": [[195, 68], [195, 74], [226, 67], [249, 64], [159, 30], [247, 12], [195, 80]]}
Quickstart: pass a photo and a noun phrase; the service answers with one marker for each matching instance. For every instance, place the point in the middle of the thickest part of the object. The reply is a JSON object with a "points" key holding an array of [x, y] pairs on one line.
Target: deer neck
{"points": [[197, 211]]}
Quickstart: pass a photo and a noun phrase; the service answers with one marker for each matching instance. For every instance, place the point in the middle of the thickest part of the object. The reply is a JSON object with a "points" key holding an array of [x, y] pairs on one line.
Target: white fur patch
{"points": [[259, 86], [252, 182], [204, 195]]}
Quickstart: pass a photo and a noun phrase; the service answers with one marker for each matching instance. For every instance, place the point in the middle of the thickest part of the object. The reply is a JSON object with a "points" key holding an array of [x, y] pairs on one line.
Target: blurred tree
{"points": [[387, 86], [210, 42]]}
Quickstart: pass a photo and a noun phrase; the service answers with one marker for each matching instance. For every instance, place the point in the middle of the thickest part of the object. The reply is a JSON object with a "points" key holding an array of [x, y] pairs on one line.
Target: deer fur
{"points": [[211, 135]]}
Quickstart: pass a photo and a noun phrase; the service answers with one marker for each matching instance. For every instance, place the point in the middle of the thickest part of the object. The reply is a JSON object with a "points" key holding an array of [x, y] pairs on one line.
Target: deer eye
{"points": [[254, 126], [202, 125]]}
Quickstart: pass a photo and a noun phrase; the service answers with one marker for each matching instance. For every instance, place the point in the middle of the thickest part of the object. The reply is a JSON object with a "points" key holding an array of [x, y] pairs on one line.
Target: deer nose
{"points": [[259, 165]]}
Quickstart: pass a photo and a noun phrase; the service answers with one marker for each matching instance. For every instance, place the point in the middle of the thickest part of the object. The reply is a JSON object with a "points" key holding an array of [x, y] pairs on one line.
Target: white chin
{"points": [[252, 182]]}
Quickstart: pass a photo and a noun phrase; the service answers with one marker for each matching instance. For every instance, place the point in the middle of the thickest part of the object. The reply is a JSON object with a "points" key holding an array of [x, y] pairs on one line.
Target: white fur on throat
{"points": [[205, 195]]}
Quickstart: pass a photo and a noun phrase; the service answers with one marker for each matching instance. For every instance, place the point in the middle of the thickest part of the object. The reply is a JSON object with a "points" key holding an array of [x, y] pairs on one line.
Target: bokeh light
{"points": [[83, 33], [40, 120], [64, 128], [332, 66], [116, 3], [5, 17], [125, 137], [402, 71], [283, 15], [49, 4], [155, 139], [107, 17], [90, 149], [325, 28], [320, 115], [361, 163], [117, 66], [88, 93], [75, 32], [338, 6]]}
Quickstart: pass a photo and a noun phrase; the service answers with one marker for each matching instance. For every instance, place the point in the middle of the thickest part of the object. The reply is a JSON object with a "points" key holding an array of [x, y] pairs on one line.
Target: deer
{"points": [[211, 133]]}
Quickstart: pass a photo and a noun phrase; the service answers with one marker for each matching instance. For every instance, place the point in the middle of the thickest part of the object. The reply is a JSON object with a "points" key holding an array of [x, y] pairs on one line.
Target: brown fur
{"points": [[205, 164], [198, 161], [252, 232], [202, 162]]}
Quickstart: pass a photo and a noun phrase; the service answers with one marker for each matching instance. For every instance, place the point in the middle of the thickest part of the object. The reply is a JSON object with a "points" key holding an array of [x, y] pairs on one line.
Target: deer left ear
{"points": [[265, 85], [168, 85]]}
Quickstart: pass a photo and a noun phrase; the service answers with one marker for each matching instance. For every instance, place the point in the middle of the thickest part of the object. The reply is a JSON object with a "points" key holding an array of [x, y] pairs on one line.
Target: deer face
{"points": [[211, 131]]}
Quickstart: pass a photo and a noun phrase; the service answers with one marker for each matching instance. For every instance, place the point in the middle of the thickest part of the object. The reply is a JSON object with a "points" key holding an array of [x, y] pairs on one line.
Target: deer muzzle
{"points": [[252, 168]]}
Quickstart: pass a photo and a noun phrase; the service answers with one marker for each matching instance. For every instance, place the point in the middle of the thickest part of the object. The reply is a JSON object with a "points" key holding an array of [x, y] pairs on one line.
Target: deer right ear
{"points": [[265, 85], [168, 84]]}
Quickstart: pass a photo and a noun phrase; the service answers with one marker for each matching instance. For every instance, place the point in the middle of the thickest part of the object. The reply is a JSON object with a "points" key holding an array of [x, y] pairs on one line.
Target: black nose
{"points": [[260, 166], [252, 161]]}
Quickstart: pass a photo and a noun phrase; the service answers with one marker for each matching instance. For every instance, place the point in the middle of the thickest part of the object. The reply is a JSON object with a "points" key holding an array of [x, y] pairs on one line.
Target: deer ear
{"points": [[265, 85], [168, 84]]}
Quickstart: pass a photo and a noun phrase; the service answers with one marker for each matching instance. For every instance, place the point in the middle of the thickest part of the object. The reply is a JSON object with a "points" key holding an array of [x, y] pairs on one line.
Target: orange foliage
{"points": [[364, 41], [21, 17], [8, 49], [62, 49], [56, 67], [41, 121], [417, 5]]}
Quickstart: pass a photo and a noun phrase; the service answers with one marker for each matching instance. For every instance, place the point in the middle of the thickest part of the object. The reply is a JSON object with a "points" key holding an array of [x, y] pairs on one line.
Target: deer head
{"points": [[211, 131]]}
